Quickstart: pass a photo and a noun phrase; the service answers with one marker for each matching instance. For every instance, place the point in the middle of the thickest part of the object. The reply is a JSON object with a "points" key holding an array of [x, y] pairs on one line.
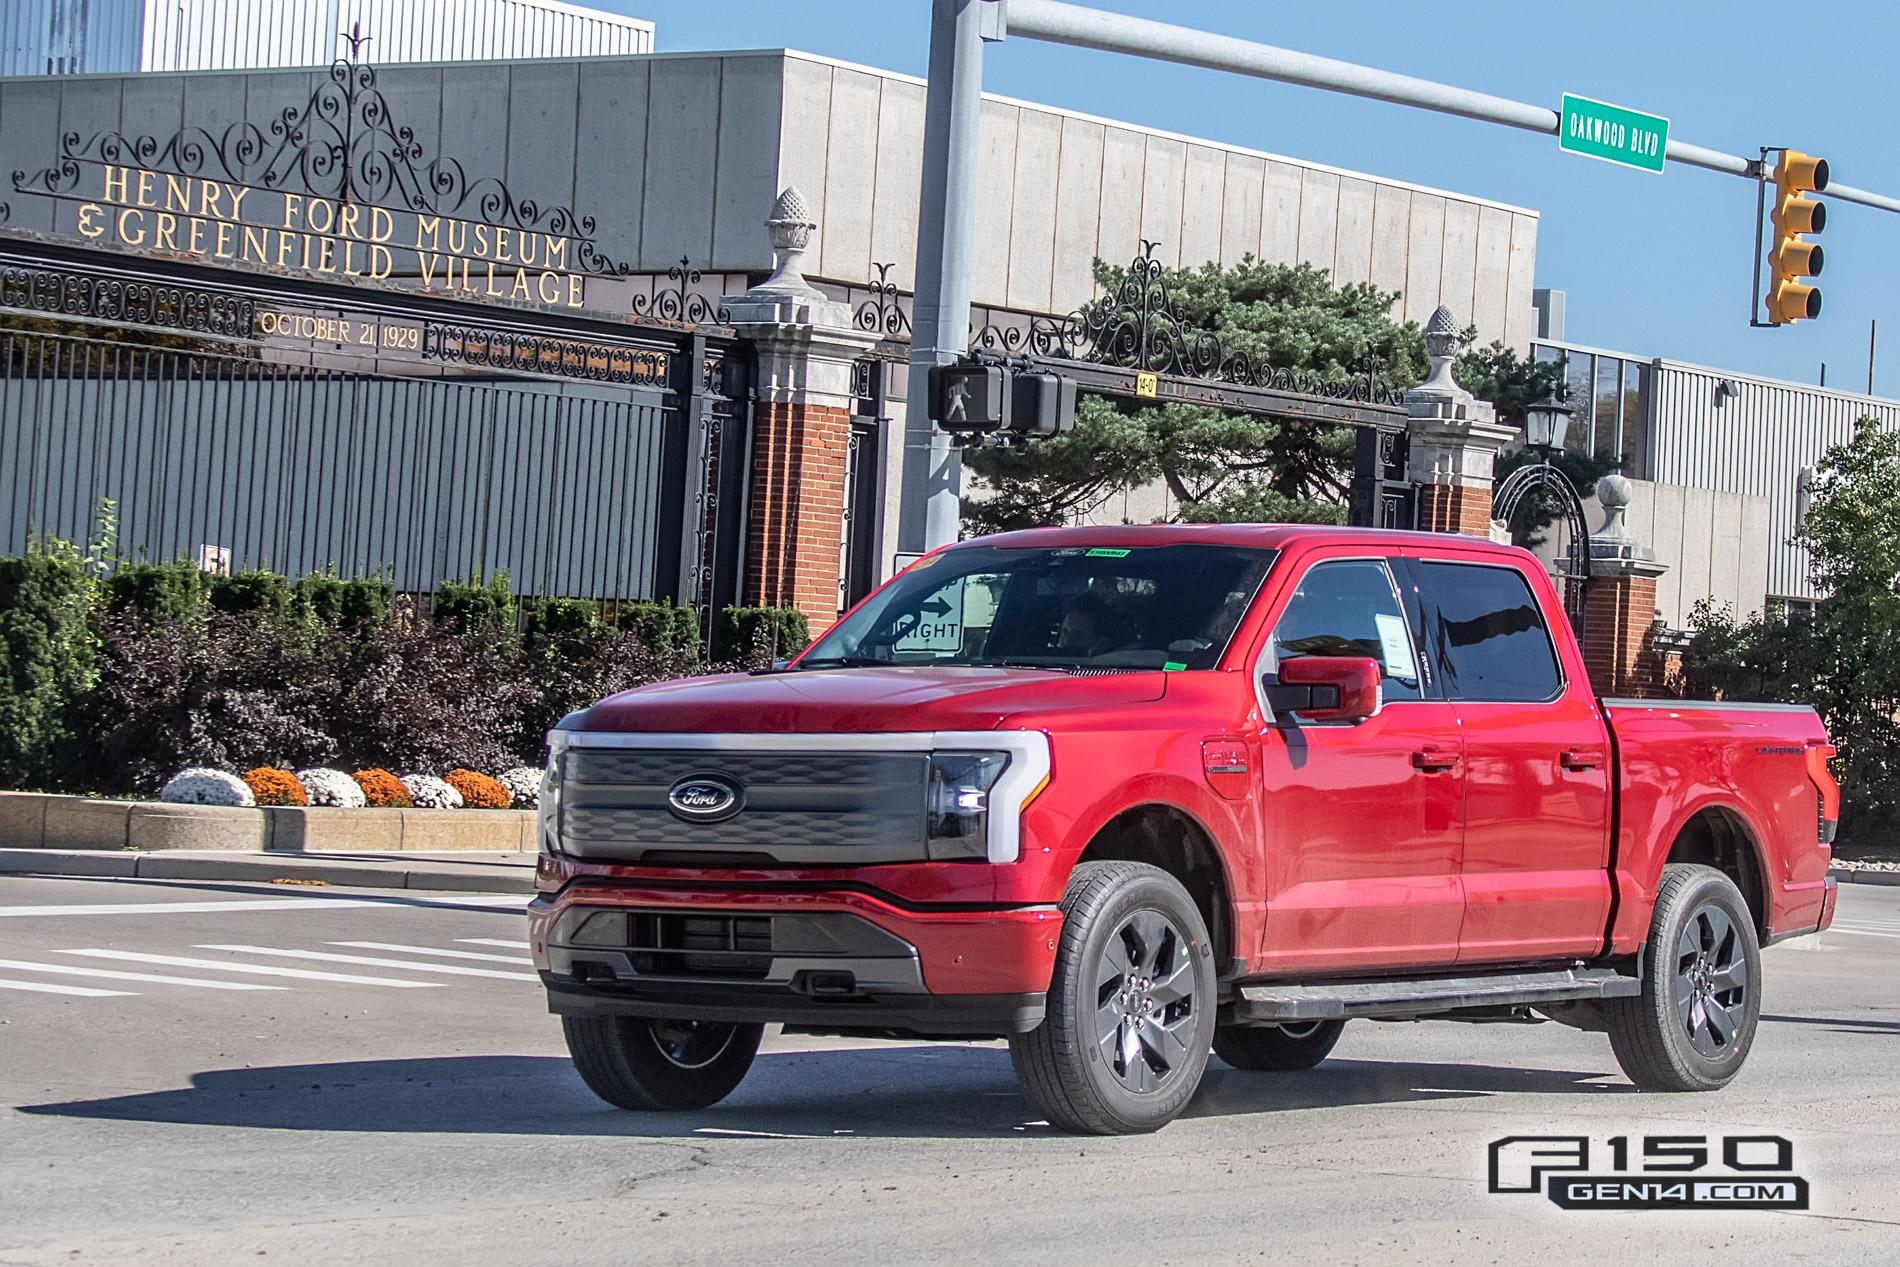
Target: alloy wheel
{"points": [[1145, 1001], [1711, 981], [692, 1044]]}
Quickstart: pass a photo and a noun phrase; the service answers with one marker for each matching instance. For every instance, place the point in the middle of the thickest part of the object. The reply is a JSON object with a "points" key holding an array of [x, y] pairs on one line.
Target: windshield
{"points": [[1073, 607]]}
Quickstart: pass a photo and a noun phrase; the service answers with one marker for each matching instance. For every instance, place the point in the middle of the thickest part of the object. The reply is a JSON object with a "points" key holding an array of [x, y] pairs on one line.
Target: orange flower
{"points": [[382, 788], [272, 786], [478, 790]]}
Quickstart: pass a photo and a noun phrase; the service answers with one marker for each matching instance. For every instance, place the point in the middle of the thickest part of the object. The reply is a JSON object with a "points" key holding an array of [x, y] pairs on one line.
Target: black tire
{"points": [[633, 1062], [1691, 1027], [1277, 1048], [1131, 1007]]}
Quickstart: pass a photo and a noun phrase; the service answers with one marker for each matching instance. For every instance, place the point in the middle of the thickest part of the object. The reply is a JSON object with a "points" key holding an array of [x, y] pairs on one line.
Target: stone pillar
{"points": [[1621, 632], [805, 346], [1455, 439]]}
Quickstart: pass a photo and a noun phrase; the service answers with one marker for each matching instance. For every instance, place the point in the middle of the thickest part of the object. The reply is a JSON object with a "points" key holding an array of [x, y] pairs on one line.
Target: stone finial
{"points": [[1441, 333], [1613, 494], [790, 227]]}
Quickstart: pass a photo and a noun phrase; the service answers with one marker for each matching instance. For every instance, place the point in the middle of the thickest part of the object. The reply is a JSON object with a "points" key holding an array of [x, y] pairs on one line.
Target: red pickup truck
{"points": [[1125, 795]]}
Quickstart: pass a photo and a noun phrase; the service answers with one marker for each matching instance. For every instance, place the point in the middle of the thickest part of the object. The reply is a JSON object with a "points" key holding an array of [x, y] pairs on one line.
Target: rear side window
{"points": [[1485, 631]]}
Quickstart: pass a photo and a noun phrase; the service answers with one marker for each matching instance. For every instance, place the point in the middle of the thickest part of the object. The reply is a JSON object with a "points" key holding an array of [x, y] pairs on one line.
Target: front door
{"points": [[1537, 764], [1362, 822]]}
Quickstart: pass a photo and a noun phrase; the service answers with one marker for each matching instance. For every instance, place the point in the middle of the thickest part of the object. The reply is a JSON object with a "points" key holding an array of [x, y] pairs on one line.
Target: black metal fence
{"points": [[572, 488]]}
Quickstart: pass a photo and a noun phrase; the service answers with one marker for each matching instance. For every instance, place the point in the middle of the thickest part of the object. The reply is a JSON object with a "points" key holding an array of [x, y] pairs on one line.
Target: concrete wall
{"points": [[1066, 188], [1717, 545], [681, 155]]}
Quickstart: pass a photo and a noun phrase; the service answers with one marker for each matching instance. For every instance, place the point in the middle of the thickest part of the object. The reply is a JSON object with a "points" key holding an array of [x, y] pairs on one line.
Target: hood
{"points": [[870, 700]]}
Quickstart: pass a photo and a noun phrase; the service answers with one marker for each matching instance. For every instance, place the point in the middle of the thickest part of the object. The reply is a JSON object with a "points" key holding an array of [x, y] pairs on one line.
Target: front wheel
{"points": [[634, 1062], [1691, 1027], [1277, 1048], [1131, 1006]]}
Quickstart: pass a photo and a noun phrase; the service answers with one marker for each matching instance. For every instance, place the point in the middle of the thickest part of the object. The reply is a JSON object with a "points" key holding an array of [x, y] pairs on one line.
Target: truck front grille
{"points": [[805, 809]]}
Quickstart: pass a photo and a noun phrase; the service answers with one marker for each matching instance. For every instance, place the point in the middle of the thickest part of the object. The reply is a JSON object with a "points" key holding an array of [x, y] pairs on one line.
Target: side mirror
{"points": [[1327, 688]]}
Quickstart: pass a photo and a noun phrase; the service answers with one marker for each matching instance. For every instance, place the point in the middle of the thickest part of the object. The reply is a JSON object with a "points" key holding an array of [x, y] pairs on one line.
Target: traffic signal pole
{"points": [[947, 220]]}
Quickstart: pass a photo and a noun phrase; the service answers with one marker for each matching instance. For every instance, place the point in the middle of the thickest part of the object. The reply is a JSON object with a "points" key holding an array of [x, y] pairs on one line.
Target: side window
{"points": [[1485, 631], [1349, 608]]}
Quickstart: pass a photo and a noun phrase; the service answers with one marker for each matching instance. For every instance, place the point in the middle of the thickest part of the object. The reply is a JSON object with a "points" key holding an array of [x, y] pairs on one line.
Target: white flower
{"points": [[524, 786], [429, 792], [331, 787], [202, 786]]}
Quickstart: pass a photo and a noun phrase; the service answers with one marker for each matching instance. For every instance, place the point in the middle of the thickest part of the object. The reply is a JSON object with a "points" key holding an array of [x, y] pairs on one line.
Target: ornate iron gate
{"points": [[1542, 486]]}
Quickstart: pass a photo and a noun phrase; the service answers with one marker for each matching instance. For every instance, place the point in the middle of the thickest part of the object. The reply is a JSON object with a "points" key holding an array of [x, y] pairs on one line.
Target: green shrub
{"points": [[159, 592], [574, 617], [263, 592], [477, 604], [751, 634], [331, 600], [48, 658], [661, 626]]}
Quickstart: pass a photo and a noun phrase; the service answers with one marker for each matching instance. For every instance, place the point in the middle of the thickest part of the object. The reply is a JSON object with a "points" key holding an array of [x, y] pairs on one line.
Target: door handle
{"points": [[1579, 759], [1434, 759]]}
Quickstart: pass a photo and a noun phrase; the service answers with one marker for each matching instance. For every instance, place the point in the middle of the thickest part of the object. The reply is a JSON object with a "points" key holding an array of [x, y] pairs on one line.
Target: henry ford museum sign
{"points": [[336, 189]]}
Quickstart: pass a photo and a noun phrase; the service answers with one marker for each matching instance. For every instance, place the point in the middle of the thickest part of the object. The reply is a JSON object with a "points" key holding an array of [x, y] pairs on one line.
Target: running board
{"points": [[1426, 996]]}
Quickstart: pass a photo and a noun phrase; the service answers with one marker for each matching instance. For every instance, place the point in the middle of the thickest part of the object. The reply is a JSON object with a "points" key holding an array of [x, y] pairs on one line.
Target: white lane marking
{"points": [[492, 941], [267, 903], [1860, 932], [369, 961], [68, 970], [430, 950], [40, 987], [255, 969]]}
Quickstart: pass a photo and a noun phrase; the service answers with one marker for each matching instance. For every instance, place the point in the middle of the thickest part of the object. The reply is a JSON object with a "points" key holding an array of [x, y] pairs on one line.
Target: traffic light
{"points": [[1790, 257], [974, 400]]}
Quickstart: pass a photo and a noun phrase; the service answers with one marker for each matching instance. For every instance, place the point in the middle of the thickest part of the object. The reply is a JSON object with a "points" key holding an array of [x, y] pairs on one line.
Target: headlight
{"points": [[547, 815], [958, 802]]}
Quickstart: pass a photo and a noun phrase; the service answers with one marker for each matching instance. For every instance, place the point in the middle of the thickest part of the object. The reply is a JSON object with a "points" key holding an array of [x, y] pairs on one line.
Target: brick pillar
{"points": [[1455, 439], [1622, 641], [805, 345]]}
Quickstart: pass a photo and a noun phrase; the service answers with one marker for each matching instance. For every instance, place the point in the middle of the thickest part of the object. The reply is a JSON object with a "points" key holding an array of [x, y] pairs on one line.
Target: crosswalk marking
{"points": [[68, 970], [85, 992], [1861, 932], [369, 961], [492, 941], [497, 900], [256, 969], [430, 950]]}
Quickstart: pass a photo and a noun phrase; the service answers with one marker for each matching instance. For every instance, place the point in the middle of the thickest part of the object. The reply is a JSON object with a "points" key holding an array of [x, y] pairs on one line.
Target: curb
{"points": [[260, 869], [1845, 875]]}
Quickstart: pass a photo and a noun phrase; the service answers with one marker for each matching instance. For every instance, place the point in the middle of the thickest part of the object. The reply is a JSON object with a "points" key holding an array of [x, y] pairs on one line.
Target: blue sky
{"points": [[1654, 265]]}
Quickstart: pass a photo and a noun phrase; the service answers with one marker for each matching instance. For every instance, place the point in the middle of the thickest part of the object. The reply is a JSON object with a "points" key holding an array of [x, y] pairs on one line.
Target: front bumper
{"points": [[814, 958]]}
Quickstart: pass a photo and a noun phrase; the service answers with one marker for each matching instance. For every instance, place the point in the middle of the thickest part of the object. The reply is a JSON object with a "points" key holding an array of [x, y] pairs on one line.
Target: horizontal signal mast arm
{"points": [[1060, 23]]}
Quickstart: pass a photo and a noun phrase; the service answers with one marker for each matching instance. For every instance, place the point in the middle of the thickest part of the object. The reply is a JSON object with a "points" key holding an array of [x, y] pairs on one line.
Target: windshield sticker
{"points": [[1103, 552], [1173, 666], [1396, 646]]}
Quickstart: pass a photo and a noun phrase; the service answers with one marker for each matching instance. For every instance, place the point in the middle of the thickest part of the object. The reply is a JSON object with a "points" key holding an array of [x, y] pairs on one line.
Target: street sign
{"points": [[939, 624], [1629, 138]]}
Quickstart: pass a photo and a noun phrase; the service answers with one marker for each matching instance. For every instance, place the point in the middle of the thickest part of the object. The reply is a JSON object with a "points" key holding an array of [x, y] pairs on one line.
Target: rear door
{"points": [[1537, 761], [1361, 821]]}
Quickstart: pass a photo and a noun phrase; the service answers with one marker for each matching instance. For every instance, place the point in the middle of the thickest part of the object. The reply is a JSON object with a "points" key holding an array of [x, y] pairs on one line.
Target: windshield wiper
{"points": [[1018, 664], [845, 662]]}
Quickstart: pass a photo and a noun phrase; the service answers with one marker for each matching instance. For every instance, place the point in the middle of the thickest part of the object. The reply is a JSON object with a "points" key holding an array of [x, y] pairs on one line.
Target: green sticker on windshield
{"points": [[1104, 552], [1173, 666]]}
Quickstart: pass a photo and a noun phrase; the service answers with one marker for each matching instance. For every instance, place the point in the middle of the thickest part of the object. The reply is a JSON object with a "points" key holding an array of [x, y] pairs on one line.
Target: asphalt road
{"points": [[421, 1109]]}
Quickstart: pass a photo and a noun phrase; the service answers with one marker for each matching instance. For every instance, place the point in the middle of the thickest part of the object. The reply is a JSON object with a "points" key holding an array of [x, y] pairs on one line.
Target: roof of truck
{"points": [[1270, 536]]}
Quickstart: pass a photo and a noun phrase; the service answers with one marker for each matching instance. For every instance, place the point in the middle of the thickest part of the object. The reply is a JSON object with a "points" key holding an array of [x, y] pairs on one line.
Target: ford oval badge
{"points": [[704, 798]]}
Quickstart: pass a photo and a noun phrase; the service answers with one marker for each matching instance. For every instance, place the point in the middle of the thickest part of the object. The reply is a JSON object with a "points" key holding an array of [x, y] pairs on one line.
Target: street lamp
{"points": [[1545, 423]]}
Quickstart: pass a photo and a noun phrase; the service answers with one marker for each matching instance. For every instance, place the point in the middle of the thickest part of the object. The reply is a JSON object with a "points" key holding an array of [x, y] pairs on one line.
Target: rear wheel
{"points": [[1692, 1026], [635, 1062], [1277, 1048], [1131, 1006]]}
